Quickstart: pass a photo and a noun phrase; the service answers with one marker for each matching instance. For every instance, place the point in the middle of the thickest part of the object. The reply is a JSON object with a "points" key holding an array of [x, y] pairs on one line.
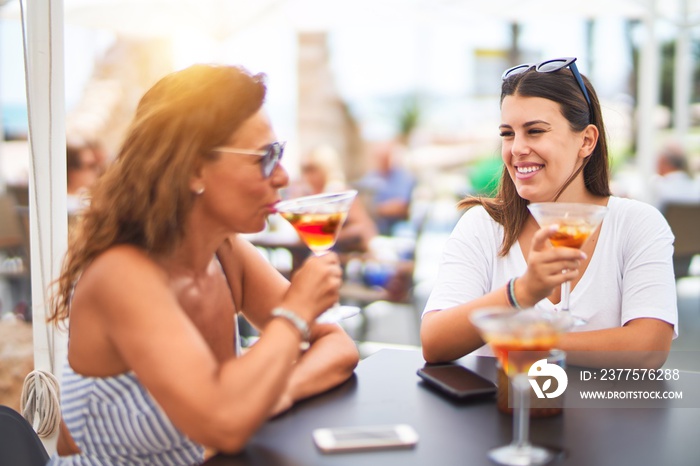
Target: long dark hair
{"points": [[144, 196], [507, 207]]}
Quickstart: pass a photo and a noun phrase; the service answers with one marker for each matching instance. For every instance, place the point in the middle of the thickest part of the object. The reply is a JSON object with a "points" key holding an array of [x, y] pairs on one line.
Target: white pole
{"points": [[682, 77], [47, 172], [648, 98], [2, 129]]}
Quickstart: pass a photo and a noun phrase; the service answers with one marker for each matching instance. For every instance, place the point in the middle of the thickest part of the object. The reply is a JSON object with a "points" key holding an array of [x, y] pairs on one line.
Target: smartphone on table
{"points": [[345, 439], [456, 381]]}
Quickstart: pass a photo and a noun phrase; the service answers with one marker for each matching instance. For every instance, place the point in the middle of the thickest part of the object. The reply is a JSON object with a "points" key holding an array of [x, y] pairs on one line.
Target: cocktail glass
{"points": [[519, 338], [318, 220], [575, 224]]}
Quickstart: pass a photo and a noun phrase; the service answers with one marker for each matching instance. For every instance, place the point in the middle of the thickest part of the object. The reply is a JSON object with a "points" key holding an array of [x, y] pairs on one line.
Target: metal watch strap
{"points": [[298, 323]]}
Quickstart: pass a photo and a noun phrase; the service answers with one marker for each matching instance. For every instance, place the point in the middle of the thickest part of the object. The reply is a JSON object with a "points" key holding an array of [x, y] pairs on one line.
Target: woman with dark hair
{"points": [[554, 150], [156, 273]]}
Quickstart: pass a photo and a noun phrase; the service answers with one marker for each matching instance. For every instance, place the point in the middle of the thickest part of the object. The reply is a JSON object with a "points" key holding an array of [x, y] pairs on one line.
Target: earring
{"points": [[199, 191]]}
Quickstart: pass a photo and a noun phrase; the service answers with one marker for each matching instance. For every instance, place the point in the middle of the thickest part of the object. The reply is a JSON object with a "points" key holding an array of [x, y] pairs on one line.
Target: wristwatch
{"points": [[299, 323]]}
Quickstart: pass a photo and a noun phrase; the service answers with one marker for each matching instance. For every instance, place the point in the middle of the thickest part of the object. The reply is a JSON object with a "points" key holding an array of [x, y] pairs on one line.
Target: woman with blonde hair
{"points": [[156, 274]]}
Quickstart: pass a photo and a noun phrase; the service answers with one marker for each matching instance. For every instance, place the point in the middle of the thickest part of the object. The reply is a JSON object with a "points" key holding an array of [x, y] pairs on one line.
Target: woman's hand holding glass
{"points": [[315, 286], [547, 268]]}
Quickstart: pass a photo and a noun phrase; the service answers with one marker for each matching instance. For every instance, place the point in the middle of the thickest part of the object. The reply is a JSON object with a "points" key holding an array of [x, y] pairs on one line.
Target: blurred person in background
{"points": [[388, 188], [322, 172], [674, 183], [101, 153], [554, 149], [155, 276], [82, 171]]}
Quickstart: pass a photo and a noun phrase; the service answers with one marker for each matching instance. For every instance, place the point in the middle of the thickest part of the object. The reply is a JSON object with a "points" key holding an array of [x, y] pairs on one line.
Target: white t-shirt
{"points": [[630, 274]]}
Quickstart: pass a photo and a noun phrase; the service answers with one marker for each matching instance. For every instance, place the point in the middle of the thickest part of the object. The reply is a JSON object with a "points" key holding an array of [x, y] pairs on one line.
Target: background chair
{"points": [[19, 444], [14, 256], [11, 232], [684, 220]]}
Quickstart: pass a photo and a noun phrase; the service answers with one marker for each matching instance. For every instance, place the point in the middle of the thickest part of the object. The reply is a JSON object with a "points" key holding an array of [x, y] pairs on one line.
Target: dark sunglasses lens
{"points": [[515, 70], [271, 158], [553, 65]]}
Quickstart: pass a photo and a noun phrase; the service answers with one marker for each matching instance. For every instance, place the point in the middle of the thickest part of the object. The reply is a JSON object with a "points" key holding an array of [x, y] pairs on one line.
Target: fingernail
{"points": [[583, 255], [553, 227]]}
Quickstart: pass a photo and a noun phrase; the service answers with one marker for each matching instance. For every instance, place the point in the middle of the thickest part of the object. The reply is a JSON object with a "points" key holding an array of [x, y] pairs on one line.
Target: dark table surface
{"points": [[386, 390]]}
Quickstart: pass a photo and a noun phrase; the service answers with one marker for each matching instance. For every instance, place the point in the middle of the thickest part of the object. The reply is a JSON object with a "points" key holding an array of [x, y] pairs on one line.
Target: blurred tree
{"points": [[408, 118], [484, 175], [668, 60]]}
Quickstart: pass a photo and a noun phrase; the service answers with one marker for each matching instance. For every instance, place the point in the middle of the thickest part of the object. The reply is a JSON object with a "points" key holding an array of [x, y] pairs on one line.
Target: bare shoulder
{"points": [[119, 290], [124, 253], [118, 259], [120, 269]]}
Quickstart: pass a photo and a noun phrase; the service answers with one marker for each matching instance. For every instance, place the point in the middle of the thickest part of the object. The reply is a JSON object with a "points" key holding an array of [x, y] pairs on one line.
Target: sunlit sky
{"points": [[372, 62]]}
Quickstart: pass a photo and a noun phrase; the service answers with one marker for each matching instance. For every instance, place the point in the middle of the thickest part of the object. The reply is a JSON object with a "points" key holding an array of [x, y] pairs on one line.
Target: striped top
{"points": [[115, 421]]}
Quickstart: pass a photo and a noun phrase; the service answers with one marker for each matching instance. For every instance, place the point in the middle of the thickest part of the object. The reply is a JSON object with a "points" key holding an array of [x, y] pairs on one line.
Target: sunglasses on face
{"points": [[549, 66], [271, 155]]}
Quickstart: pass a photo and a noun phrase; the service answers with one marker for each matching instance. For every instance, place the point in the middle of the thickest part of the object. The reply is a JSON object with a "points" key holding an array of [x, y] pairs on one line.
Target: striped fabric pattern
{"points": [[115, 421]]}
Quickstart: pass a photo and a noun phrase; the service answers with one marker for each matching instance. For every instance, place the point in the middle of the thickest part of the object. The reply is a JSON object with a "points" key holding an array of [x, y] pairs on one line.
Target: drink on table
{"points": [[519, 338], [517, 355]]}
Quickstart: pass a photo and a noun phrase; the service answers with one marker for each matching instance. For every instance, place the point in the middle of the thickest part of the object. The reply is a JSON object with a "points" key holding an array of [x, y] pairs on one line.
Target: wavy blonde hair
{"points": [[144, 196]]}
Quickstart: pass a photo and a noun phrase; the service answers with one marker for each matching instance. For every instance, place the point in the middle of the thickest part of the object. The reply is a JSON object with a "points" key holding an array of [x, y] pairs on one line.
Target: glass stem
{"points": [[565, 293], [521, 413]]}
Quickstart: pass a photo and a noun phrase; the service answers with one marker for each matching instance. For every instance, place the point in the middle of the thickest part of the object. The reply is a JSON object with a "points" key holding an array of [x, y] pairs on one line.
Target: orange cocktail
{"points": [[318, 220], [516, 356], [575, 223], [571, 236], [318, 231], [519, 338]]}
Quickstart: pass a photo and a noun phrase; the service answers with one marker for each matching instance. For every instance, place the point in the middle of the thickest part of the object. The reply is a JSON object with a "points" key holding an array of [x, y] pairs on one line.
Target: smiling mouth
{"points": [[530, 169]]}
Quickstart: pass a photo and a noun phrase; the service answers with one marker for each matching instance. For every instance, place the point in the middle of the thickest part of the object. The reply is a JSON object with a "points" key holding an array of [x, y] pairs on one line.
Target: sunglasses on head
{"points": [[271, 155], [549, 66]]}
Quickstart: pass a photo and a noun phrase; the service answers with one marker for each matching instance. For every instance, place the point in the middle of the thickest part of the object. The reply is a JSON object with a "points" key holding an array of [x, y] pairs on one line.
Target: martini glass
{"points": [[519, 338], [575, 224], [318, 220]]}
